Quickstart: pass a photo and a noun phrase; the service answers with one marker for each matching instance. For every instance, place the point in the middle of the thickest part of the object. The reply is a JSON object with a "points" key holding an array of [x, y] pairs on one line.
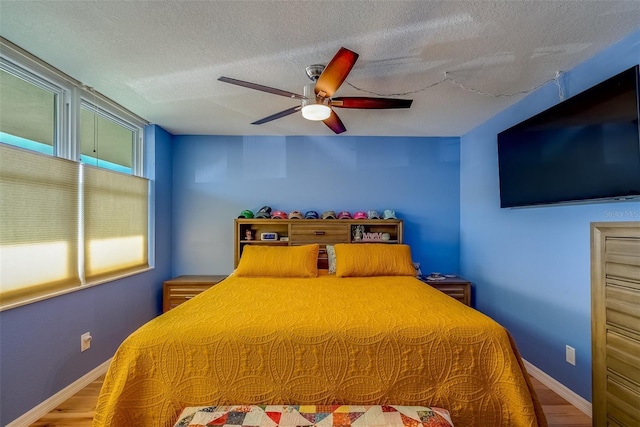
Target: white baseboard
{"points": [[576, 400], [54, 401]]}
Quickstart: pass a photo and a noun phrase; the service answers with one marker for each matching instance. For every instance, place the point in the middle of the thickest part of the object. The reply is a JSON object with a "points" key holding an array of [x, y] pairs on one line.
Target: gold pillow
{"points": [[373, 259], [278, 261]]}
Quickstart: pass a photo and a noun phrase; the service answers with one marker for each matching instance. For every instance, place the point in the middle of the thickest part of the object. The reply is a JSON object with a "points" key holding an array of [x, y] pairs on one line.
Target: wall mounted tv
{"points": [[587, 148]]}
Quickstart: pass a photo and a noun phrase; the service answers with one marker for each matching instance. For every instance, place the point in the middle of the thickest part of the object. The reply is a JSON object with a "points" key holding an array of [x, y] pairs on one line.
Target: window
{"points": [[115, 222], [39, 223], [74, 207], [29, 108], [106, 141]]}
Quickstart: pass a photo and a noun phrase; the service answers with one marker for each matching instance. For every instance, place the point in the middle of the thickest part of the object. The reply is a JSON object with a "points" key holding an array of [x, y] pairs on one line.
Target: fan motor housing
{"points": [[314, 71]]}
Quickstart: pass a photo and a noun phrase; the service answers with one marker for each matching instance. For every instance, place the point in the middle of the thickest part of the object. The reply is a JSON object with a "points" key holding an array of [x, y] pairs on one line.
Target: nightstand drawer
{"points": [[455, 287], [454, 291], [183, 288], [179, 294]]}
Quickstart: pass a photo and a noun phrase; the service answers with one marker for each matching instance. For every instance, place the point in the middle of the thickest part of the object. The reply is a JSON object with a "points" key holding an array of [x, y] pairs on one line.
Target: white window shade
{"points": [[104, 140], [28, 110], [43, 216], [38, 223], [115, 223]]}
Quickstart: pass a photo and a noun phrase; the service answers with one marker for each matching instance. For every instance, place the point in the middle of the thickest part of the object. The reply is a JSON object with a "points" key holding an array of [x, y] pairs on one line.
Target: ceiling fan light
{"points": [[313, 107], [316, 112]]}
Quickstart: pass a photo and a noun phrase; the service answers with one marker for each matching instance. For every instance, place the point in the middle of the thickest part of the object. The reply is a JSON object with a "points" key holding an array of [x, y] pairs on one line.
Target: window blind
{"points": [[115, 222], [63, 224], [28, 111], [39, 223], [102, 139]]}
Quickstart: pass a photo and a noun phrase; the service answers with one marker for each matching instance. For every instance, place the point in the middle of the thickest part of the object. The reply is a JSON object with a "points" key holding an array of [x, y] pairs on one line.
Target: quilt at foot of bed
{"points": [[314, 415]]}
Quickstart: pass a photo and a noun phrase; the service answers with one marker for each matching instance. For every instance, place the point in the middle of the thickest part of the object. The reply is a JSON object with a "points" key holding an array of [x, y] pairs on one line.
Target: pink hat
{"points": [[344, 215], [360, 215]]}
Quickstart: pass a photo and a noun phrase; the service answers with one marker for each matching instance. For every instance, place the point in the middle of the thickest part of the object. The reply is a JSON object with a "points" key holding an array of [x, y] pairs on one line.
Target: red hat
{"points": [[360, 215], [279, 215], [344, 215]]}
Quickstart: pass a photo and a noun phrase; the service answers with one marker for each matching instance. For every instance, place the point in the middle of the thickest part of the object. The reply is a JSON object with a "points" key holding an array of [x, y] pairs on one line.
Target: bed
{"points": [[276, 332]]}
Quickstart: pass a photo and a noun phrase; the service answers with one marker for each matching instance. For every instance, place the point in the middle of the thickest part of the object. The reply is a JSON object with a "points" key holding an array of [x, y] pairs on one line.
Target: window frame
{"points": [[71, 95], [101, 106], [46, 82]]}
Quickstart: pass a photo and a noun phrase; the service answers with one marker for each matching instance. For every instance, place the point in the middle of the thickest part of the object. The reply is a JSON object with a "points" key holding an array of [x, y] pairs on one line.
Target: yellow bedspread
{"points": [[327, 340]]}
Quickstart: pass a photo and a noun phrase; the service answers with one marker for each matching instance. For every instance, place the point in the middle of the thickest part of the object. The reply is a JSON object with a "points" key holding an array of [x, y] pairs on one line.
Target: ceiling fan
{"points": [[316, 101]]}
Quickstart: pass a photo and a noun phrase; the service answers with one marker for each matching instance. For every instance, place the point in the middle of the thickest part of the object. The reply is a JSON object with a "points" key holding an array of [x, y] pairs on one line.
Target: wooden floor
{"points": [[78, 410]]}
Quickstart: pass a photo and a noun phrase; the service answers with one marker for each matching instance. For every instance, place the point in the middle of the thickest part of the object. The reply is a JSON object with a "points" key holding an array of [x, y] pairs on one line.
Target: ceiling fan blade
{"points": [[334, 123], [335, 73], [260, 87], [278, 115], [370, 103]]}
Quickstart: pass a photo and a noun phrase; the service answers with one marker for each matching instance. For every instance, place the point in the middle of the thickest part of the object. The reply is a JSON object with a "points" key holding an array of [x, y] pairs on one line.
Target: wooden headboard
{"points": [[308, 231]]}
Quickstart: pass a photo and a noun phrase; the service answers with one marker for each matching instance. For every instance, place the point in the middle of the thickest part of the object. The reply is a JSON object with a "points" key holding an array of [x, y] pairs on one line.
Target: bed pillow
{"points": [[331, 258], [373, 259], [278, 261]]}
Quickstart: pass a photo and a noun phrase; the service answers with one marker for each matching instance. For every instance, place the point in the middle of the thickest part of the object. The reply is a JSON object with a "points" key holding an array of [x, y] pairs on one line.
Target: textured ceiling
{"points": [[161, 59]]}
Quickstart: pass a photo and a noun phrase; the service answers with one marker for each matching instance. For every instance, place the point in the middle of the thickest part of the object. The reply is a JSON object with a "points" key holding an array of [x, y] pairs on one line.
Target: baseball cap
{"points": [[311, 215], [329, 215], [264, 212], [246, 214], [373, 215], [360, 215], [295, 215], [279, 215], [389, 214], [344, 215]]}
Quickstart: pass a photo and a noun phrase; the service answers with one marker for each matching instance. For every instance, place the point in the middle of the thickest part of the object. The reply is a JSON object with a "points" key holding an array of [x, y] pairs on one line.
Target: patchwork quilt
{"points": [[314, 415]]}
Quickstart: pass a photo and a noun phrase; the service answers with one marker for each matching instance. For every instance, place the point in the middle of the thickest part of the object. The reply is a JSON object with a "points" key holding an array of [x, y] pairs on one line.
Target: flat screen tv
{"points": [[586, 148]]}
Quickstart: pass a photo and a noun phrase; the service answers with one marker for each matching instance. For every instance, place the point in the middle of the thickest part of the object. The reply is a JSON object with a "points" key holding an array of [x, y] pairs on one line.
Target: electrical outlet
{"points": [[571, 355], [85, 341]]}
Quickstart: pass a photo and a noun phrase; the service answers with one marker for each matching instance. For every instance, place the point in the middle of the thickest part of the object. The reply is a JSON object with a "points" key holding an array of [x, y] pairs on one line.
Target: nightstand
{"points": [[455, 287], [183, 288]]}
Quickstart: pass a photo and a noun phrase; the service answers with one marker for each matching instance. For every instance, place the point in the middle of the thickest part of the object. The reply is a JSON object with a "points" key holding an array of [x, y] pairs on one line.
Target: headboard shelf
{"points": [[308, 231]]}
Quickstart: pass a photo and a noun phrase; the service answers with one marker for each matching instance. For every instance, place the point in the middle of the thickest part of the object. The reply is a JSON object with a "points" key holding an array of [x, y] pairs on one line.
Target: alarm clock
{"points": [[268, 236]]}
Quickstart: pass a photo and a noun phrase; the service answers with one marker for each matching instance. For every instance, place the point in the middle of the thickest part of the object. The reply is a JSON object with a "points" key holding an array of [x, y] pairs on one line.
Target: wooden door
{"points": [[615, 323]]}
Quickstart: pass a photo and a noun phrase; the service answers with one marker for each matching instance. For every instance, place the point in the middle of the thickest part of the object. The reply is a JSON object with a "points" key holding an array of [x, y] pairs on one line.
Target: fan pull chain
{"points": [[95, 126]]}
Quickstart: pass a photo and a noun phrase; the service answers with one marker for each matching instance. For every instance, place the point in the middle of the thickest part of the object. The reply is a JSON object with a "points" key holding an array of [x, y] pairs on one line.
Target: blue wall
{"points": [[531, 266], [216, 177], [40, 350]]}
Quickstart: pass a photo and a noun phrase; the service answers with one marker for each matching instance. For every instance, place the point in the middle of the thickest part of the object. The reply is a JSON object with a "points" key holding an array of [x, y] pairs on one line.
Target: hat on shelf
{"points": [[344, 215], [360, 215], [373, 215], [279, 215], [246, 214], [389, 214], [296, 215], [264, 212], [311, 215], [329, 215]]}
